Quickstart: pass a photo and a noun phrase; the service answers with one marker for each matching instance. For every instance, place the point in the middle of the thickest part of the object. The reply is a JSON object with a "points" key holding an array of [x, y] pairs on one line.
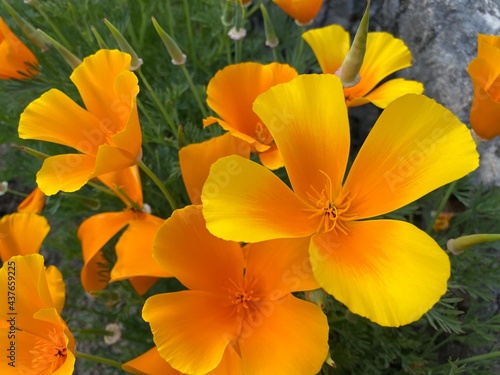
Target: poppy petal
{"points": [[313, 138], [149, 363], [134, 251], [195, 160], [244, 201], [398, 164], [184, 247], [33, 203], [13, 238], [127, 180], [271, 158], [296, 330], [372, 267], [94, 233], [387, 92], [191, 329], [54, 117], [68, 172], [111, 158], [57, 287], [303, 11], [322, 40], [280, 266]]}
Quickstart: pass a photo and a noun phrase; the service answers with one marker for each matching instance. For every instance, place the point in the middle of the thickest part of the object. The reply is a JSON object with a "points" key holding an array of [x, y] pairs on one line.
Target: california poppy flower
{"points": [[238, 316], [231, 93], [302, 11], [384, 55], [13, 228], [369, 265], [485, 74], [133, 250], [16, 60], [43, 342], [107, 134], [150, 363]]}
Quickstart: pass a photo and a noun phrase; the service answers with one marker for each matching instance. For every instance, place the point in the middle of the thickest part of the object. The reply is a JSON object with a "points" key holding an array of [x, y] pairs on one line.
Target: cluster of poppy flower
{"points": [[247, 241]]}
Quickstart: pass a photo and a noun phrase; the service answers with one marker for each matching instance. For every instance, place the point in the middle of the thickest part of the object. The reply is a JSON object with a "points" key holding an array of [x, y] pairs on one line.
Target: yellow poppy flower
{"points": [[195, 160], [485, 74], [384, 55], [302, 11], [415, 147], [33, 203], [231, 93], [16, 60], [134, 248], [238, 316], [36, 339], [107, 134]]}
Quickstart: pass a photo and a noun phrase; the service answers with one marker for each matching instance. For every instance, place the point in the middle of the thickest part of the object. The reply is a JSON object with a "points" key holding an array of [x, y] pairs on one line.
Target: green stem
{"points": [[15, 192], [443, 202], [297, 60], [170, 18], [275, 55], [478, 358], [97, 359], [101, 188], [189, 29], [158, 103], [195, 92], [93, 331], [160, 185]]}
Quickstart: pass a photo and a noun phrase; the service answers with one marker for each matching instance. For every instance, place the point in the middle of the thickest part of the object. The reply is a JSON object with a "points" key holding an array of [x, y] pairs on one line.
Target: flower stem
{"points": [[189, 29], [443, 202], [195, 92], [93, 331], [97, 359], [158, 103], [160, 185], [297, 60], [54, 27]]}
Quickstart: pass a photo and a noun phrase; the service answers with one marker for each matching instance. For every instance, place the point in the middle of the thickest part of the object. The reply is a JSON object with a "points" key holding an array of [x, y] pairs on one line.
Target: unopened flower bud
{"points": [[318, 297], [71, 59], [271, 38], [457, 246], [124, 46], [178, 58], [227, 17], [116, 334], [100, 41]]}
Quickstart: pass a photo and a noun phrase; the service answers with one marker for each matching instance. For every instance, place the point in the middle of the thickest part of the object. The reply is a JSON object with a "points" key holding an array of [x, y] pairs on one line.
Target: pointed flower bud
{"points": [[178, 58], [71, 59], [317, 296], [330, 362], [349, 71], [124, 46], [271, 38], [28, 29], [458, 245], [98, 37], [227, 17], [115, 334]]}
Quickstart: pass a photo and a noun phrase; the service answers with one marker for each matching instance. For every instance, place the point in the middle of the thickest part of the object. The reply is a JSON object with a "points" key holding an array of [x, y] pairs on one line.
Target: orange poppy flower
{"points": [[35, 339], [195, 161], [107, 134], [369, 265], [384, 55], [13, 228], [485, 74], [16, 60], [134, 248], [231, 93], [238, 316], [150, 363], [302, 11]]}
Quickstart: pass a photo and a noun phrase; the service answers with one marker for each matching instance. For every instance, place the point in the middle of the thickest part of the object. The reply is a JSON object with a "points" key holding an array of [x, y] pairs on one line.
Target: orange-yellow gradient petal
{"points": [[244, 201], [94, 233], [126, 181], [134, 252], [21, 234], [184, 247], [330, 45], [385, 55], [16, 60], [416, 146], [195, 160], [297, 333], [191, 329], [68, 172], [303, 11], [57, 287], [33, 203], [308, 121], [387, 92], [280, 266], [374, 266], [149, 363]]}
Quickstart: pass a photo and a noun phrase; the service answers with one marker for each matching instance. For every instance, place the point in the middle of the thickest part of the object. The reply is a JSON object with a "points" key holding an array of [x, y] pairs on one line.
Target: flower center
{"points": [[49, 355], [328, 209], [263, 134], [242, 295]]}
